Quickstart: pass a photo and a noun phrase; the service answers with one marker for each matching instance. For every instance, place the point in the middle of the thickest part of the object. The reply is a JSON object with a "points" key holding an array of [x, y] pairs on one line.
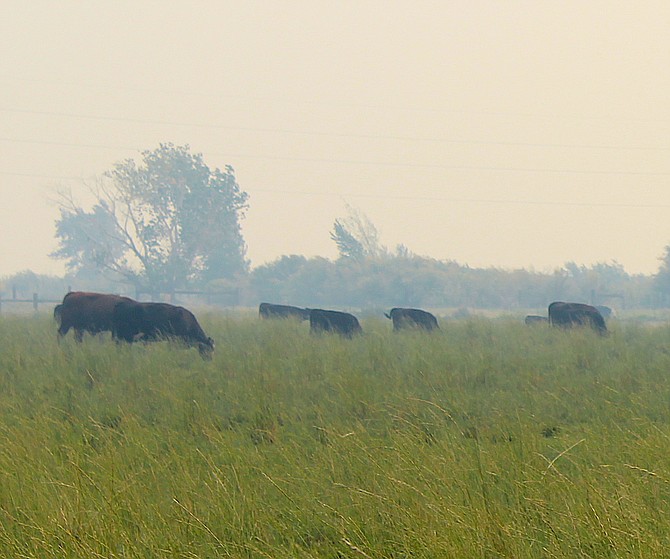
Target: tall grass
{"points": [[487, 439]]}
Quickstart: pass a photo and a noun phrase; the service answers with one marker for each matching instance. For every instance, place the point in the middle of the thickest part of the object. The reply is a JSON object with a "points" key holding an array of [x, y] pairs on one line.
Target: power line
{"points": [[361, 162], [40, 176], [67, 144], [455, 200], [328, 134], [469, 200], [447, 167], [440, 166], [337, 103]]}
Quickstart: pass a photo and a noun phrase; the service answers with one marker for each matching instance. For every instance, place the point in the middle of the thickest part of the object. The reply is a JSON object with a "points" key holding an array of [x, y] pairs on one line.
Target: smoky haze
{"points": [[510, 134]]}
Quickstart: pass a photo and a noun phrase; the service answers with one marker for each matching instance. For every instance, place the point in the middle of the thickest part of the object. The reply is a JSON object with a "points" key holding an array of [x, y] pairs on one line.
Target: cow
{"points": [[533, 319], [567, 315], [86, 312], [341, 323], [270, 310], [412, 318], [147, 322]]}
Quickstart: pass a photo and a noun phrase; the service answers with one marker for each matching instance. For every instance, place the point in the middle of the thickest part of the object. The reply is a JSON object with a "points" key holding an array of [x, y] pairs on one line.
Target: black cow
{"points": [[270, 310], [148, 322], [533, 319], [412, 318], [567, 315], [341, 323], [86, 312]]}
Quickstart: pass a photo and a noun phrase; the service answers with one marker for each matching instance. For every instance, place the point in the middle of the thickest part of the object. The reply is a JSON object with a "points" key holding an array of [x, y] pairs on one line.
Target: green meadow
{"points": [[488, 439]]}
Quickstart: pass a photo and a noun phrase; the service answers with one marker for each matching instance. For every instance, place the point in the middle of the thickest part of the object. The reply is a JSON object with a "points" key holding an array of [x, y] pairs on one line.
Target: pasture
{"points": [[487, 439]]}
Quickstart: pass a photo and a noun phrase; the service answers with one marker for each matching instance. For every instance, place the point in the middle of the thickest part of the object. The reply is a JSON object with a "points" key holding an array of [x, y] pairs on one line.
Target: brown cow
{"points": [[86, 312]]}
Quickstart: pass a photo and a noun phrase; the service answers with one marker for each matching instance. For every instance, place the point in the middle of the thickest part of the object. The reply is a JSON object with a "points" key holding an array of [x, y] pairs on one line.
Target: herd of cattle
{"points": [[133, 321], [561, 314]]}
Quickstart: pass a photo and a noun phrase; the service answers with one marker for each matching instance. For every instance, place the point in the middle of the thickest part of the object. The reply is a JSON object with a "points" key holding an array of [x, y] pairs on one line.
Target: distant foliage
{"points": [[356, 236], [662, 278], [411, 280], [347, 245]]}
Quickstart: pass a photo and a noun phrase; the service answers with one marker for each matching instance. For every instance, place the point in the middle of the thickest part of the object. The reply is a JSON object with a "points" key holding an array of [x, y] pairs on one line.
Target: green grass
{"points": [[488, 439]]}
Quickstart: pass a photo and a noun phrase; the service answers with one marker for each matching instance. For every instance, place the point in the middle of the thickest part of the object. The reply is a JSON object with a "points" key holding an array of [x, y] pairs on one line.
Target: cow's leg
{"points": [[79, 335]]}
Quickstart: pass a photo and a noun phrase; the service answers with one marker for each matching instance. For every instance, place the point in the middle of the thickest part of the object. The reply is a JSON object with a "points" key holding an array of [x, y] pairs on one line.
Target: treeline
{"points": [[392, 281], [426, 282]]}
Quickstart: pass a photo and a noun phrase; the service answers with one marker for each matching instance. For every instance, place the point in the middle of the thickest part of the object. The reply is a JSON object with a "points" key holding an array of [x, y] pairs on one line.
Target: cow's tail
{"points": [[57, 313], [387, 315]]}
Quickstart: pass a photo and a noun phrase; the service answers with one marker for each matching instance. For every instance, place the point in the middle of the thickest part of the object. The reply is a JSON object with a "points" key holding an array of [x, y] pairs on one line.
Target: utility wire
{"points": [[327, 103], [324, 134], [407, 197], [400, 164]]}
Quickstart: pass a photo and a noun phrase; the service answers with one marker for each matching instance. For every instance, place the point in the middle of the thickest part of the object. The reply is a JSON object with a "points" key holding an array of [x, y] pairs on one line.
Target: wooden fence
{"points": [[228, 298], [35, 301]]}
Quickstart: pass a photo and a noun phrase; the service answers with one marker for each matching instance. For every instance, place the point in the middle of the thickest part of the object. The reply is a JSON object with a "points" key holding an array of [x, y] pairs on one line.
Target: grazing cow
{"points": [[133, 321], [568, 315], [341, 323], [412, 318], [533, 319], [270, 310], [86, 312]]}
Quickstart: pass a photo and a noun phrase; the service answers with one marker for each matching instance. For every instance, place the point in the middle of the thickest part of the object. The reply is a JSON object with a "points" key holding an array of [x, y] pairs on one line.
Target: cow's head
{"points": [[206, 348]]}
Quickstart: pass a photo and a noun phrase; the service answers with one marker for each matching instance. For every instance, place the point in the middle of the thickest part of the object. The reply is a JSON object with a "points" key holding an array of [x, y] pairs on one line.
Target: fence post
{"points": [[13, 292], [35, 302], [0, 304]]}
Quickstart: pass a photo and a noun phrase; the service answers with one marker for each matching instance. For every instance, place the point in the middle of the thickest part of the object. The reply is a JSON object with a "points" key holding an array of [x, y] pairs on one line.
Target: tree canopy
{"points": [[162, 223]]}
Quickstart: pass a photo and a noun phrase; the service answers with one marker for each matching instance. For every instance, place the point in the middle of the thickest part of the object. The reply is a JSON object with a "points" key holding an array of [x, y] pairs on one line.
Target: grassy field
{"points": [[488, 439]]}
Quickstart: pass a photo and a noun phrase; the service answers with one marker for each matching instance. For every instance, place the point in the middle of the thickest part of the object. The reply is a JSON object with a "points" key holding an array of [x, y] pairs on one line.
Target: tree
{"points": [[356, 236], [162, 223], [662, 277], [347, 244]]}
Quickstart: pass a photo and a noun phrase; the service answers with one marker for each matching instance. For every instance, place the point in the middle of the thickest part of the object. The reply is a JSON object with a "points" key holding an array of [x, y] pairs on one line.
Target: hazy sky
{"points": [[510, 134]]}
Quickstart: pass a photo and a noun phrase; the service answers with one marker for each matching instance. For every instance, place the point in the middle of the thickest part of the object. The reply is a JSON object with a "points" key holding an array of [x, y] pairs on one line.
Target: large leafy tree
{"points": [[162, 223]]}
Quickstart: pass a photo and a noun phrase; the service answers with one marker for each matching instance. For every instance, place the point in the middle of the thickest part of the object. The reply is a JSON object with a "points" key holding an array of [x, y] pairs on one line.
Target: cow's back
{"points": [[272, 310], [409, 318], [86, 311]]}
